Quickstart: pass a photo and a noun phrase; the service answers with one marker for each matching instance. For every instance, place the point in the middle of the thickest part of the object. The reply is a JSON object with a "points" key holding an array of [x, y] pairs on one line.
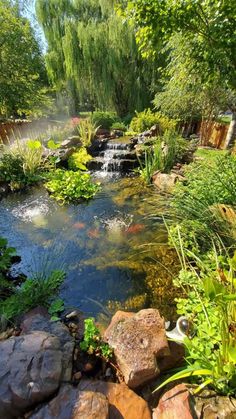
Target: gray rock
{"points": [[138, 342], [39, 320], [31, 369]]}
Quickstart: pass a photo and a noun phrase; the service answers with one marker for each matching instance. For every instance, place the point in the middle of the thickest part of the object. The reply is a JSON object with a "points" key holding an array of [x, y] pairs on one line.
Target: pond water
{"points": [[113, 248]]}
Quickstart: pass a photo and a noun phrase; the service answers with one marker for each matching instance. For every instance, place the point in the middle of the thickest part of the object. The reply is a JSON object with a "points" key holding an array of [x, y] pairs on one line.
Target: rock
{"points": [[208, 405], [70, 403], [165, 182], [30, 371], [123, 402], [71, 142], [175, 358], [72, 315], [138, 342], [154, 130], [38, 319], [174, 404]]}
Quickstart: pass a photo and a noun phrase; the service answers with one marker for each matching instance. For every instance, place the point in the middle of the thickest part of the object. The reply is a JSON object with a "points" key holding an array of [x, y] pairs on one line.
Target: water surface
{"points": [[113, 248]]}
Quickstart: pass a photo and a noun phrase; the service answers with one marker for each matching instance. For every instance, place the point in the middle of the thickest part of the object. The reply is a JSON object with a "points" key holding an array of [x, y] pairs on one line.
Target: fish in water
{"points": [[93, 233], [135, 228], [79, 225]]}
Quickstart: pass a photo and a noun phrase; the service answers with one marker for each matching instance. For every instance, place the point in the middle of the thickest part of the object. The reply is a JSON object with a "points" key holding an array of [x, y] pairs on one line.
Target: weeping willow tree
{"points": [[92, 55]]}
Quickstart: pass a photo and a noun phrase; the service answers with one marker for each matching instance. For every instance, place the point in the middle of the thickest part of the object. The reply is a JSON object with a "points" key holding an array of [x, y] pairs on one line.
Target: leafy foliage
{"points": [[22, 73], [56, 307], [39, 290], [79, 159], [69, 186], [207, 201], [162, 155], [104, 119], [210, 306], [146, 119], [95, 73], [92, 342], [87, 130]]}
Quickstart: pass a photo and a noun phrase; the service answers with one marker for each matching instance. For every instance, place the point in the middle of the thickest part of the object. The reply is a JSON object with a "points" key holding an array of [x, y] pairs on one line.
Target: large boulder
{"points": [[174, 404], [166, 181], [70, 403], [31, 370], [138, 341], [38, 319], [209, 405]]}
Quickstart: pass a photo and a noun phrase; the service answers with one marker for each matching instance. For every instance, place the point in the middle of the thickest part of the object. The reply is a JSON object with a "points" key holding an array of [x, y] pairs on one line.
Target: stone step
{"points": [[118, 154], [113, 165]]}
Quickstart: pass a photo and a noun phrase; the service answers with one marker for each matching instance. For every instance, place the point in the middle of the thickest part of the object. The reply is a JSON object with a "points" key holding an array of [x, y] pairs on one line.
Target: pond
{"points": [[112, 248]]}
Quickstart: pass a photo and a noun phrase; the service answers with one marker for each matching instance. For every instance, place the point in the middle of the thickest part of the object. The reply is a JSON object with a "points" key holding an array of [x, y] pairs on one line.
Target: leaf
{"points": [[187, 372], [52, 145], [232, 353], [34, 144]]}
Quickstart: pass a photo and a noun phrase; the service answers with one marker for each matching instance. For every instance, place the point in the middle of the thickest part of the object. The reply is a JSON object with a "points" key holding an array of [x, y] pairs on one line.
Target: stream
{"points": [[113, 248]]}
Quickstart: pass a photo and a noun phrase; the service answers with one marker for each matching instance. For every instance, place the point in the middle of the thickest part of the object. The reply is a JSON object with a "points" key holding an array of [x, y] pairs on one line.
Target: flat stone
{"points": [[208, 405], [174, 404], [31, 369], [138, 342], [166, 182]]}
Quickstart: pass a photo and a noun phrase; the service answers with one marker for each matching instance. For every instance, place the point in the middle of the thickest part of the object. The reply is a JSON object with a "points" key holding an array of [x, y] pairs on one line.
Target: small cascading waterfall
{"points": [[116, 157]]}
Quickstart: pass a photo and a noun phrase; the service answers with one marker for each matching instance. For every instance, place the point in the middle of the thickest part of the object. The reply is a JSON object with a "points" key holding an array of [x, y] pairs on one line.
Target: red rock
{"points": [[174, 404]]}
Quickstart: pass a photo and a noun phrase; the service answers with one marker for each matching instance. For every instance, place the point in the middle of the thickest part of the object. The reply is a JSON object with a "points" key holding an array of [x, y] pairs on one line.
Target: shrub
{"points": [[118, 126], [104, 119], [146, 119], [69, 186], [79, 159]]}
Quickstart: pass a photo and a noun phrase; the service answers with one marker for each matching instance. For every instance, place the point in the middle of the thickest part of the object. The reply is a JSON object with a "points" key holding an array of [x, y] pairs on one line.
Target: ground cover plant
{"points": [[92, 342]]}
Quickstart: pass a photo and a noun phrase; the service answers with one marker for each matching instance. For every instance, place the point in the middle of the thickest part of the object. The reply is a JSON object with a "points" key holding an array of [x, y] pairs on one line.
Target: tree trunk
{"points": [[231, 134]]}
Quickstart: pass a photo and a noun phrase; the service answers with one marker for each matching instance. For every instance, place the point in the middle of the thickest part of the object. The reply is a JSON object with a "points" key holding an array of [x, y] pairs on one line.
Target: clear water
{"points": [[110, 247]]}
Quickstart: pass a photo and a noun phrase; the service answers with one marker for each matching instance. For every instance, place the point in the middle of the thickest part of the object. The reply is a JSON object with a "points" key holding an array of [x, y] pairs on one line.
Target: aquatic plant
{"points": [[210, 305], [92, 342], [79, 159], [69, 186]]}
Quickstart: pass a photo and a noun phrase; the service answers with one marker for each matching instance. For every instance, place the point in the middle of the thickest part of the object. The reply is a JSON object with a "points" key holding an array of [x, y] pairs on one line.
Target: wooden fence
{"points": [[212, 133]]}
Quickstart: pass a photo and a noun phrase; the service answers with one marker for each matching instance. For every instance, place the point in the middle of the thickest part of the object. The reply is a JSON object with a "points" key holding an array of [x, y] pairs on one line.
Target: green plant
{"points": [[79, 159], [56, 307], [104, 119], [39, 290], [118, 126], [87, 130], [6, 258], [69, 186], [92, 342], [207, 198], [209, 303], [146, 119]]}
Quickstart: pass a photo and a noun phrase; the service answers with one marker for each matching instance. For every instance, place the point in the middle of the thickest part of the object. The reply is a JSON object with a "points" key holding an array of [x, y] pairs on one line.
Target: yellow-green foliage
{"points": [[87, 131], [79, 159], [146, 119]]}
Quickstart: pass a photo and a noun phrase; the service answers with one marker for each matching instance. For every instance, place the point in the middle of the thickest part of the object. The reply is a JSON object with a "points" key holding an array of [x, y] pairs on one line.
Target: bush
{"points": [[79, 159], [104, 119], [146, 119], [118, 126], [69, 186]]}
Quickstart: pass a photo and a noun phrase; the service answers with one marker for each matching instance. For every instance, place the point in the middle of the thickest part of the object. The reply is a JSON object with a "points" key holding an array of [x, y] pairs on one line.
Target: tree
{"points": [[208, 26], [93, 55], [22, 72]]}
